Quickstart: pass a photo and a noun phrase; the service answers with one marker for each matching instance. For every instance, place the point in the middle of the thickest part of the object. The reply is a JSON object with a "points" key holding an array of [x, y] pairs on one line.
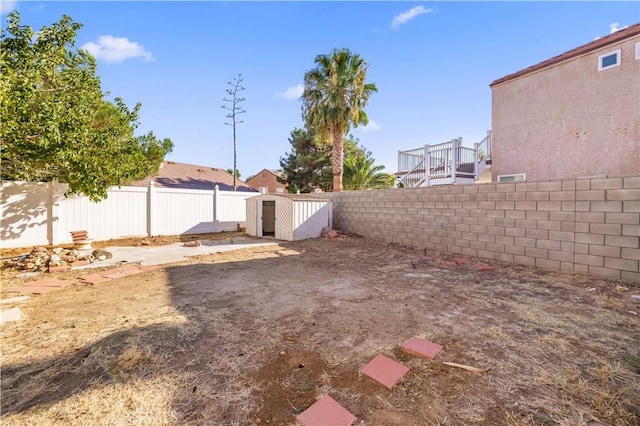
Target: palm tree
{"points": [[360, 173], [334, 97]]}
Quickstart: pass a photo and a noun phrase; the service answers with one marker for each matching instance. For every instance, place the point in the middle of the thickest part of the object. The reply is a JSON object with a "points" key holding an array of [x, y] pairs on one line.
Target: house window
{"points": [[638, 51], [609, 60], [514, 177]]}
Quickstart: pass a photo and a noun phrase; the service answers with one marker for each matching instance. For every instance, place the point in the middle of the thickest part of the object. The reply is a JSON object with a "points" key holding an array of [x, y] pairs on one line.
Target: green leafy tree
{"points": [[361, 173], [335, 95], [56, 123], [307, 166]]}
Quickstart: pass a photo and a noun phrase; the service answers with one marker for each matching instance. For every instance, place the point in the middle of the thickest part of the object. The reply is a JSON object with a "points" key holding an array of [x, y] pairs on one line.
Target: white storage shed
{"points": [[289, 217]]}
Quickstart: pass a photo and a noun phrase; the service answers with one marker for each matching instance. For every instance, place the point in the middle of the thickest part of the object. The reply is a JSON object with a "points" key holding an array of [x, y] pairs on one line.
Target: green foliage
{"points": [[335, 95], [230, 171], [307, 166], [56, 124], [361, 173]]}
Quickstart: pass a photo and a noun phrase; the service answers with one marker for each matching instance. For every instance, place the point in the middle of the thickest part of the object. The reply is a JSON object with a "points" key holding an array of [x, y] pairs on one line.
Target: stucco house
{"points": [[576, 114], [268, 179]]}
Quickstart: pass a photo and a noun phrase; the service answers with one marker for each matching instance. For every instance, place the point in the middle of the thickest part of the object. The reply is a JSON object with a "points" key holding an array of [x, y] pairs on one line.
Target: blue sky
{"points": [[431, 61]]}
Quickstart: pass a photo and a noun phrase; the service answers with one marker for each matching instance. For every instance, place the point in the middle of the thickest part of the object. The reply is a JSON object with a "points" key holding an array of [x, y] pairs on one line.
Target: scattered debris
{"points": [[332, 233], [12, 314], [16, 299], [101, 254], [196, 243], [482, 267], [635, 296], [622, 288], [52, 260], [467, 367]]}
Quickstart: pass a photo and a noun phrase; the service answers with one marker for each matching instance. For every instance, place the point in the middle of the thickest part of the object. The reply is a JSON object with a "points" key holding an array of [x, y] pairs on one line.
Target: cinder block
{"points": [[591, 217], [622, 241], [506, 187], [487, 205], [612, 274], [526, 223], [549, 225], [537, 233], [538, 215], [630, 194], [632, 277], [469, 252], [487, 221], [610, 183], [548, 244], [583, 184], [566, 266], [568, 227], [495, 230], [562, 196], [605, 228], [499, 214], [631, 207], [507, 223], [502, 239], [630, 253], [550, 205], [569, 185], [525, 260], [536, 252], [587, 238], [505, 205], [631, 230], [504, 257], [606, 206], [583, 269], [581, 248], [537, 196], [516, 196], [581, 227], [515, 214], [496, 196], [562, 216], [605, 251], [621, 264], [487, 238], [525, 205], [485, 254], [591, 195], [550, 186], [625, 218], [631, 182], [526, 186], [513, 249], [478, 245], [498, 248], [561, 256], [548, 264], [525, 242], [587, 259]]}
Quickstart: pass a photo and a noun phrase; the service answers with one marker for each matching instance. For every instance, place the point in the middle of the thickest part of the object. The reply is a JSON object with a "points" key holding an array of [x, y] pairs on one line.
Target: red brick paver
{"points": [[462, 260], [94, 278], [446, 263], [483, 267], [385, 371], [421, 347], [326, 412]]}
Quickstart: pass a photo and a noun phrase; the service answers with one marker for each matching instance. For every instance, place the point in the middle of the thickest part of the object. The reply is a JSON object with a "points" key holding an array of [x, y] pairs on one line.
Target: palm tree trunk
{"points": [[337, 159]]}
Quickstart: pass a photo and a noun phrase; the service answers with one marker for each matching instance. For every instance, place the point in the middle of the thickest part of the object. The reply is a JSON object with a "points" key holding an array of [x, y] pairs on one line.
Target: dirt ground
{"points": [[255, 336]]}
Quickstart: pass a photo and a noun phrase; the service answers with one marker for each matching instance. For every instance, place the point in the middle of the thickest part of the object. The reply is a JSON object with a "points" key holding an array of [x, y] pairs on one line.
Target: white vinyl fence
{"points": [[39, 213]]}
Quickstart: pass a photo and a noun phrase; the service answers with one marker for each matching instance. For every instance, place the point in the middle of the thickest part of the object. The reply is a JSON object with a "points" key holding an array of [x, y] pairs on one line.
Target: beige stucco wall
{"points": [[570, 120]]}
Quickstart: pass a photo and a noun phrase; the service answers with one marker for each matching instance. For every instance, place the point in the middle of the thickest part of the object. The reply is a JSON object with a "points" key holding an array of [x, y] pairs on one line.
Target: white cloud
{"points": [[117, 49], [7, 6], [372, 126], [405, 17], [291, 93], [38, 8], [616, 27]]}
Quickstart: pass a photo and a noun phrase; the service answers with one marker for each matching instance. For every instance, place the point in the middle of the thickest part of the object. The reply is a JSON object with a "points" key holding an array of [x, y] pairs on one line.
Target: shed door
{"points": [[269, 218]]}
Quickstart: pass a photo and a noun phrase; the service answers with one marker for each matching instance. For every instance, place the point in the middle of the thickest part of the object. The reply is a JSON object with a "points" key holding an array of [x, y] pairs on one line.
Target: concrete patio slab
{"points": [[422, 348], [94, 278], [326, 412], [385, 371], [17, 299]]}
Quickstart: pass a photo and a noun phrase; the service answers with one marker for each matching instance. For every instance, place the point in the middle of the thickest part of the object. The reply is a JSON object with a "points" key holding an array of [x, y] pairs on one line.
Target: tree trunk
{"points": [[337, 160]]}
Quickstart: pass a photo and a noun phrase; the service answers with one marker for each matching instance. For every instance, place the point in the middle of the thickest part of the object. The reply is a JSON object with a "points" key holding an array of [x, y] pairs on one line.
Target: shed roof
{"points": [[191, 176], [630, 31]]}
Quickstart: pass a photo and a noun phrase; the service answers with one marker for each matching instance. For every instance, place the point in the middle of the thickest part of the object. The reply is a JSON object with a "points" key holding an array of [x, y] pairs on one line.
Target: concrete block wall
{"points": [[588, 225]]}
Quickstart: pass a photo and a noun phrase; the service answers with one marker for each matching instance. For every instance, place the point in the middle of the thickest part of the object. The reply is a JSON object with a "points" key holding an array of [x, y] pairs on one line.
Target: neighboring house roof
{"points": [[273, 172], [294, 197], [630, 31], [191, 176]]}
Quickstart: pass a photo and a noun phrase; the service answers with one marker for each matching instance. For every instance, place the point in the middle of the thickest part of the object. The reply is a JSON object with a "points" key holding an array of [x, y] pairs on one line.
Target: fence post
{"points": [[50, 216], [151, 217], [427, 165], [216, 205], [476, 158]]}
